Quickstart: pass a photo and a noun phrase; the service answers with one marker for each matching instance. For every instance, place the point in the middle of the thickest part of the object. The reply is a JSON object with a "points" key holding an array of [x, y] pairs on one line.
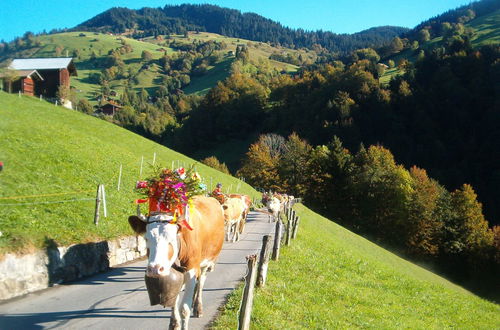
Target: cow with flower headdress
{"points": [[184, 234]]}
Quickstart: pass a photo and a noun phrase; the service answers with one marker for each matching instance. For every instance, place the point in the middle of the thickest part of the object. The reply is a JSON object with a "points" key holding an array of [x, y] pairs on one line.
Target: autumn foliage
{"points": [[373, 195]]}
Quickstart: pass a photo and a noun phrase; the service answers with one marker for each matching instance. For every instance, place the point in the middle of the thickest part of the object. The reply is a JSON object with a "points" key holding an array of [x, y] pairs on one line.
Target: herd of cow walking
{"points": [[236, 208], [184, 239]]}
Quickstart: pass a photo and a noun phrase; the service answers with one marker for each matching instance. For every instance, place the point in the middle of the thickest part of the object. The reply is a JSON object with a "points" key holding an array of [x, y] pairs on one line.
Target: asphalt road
{"points": [[118, 299]]}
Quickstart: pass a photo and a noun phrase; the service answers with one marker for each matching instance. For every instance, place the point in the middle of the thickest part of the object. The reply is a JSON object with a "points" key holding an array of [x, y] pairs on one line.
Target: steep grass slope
{"points": [[331, 278], [63, 155]]}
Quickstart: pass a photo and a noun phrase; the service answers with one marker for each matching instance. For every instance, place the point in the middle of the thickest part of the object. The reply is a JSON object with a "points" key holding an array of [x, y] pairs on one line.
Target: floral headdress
{"points": [[170, 191]]}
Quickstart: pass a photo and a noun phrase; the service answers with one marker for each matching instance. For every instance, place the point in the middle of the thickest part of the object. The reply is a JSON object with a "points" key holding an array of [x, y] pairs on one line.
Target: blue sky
{"points": [[339, 16]]}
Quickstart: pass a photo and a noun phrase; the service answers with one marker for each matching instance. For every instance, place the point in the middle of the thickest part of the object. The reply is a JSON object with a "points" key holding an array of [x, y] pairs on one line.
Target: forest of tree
{"points": [[441, 115], [148, 22], [232, 23], [370, 193]]}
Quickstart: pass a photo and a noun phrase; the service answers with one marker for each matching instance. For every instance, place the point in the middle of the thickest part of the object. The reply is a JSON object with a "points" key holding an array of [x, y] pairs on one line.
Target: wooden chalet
{"points": [[23, 81], [110, 108], [54, 71]]}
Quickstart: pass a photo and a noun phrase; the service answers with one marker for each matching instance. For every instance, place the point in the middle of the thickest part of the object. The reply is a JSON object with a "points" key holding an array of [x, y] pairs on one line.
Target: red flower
{"points": [[141, 184], [182, 172]]}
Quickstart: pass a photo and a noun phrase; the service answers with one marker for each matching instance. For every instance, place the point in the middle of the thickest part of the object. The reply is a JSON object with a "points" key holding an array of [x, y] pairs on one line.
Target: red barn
{"points": [[23, 81], [110, 108], [54, 71]]}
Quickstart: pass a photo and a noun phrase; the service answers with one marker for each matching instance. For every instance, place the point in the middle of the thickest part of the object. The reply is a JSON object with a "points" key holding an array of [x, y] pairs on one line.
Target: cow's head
{"points": [[273, 205], [162, 242]]}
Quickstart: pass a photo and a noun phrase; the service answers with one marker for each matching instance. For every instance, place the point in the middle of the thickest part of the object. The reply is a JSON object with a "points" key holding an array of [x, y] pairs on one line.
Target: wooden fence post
{"points": [[247, 300], [277, 240], [103, 196], [288, 230], [142, 162], [265, 254], [119, 178], [295, 227], [97, 205]]}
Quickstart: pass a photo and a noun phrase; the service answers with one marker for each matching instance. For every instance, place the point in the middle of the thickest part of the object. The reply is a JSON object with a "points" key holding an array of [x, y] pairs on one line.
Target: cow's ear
{"points": [[224, 207], [137, 224]]}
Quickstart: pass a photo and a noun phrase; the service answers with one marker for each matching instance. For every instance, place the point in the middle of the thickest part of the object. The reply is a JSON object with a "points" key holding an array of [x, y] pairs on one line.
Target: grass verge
{"points": [[331, 278]]}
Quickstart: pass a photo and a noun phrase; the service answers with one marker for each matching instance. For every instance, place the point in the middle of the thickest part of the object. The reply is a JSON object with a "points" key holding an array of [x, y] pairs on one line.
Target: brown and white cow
{"points": [[173, 246], [234, 213], [274, 206], [248, 203]]}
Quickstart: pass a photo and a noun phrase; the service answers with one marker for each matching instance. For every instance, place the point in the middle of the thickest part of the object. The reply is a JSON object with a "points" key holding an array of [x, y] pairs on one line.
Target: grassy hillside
{"points": [[258, 50], [486, 31], [81, 45], [55, 158], [331, 278]]}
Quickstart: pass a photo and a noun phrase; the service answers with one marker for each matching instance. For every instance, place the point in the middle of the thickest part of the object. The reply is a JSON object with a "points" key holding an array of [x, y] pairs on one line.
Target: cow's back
{"points": [[235, 208], [205, 241]]}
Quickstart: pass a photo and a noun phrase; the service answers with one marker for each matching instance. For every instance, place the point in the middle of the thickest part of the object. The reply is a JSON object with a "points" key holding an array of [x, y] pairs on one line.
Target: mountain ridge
{"points": [[232, 23]]}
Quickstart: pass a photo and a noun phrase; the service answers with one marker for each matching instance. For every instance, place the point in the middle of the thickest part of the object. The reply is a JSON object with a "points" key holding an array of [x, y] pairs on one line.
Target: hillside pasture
{"points": [[88, 43], [487, 29], [90, 50], [55, 158]]}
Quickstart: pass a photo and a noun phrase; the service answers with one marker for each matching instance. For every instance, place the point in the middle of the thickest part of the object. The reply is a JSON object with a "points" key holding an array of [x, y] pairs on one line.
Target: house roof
{"points": [[25, 73], [43, 64], [40, 63], [29, 73], [111, 103]]}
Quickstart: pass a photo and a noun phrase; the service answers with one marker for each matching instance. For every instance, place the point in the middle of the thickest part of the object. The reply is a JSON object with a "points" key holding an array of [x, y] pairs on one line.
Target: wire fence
{"points": [[125, 176], [46, 195], [49, 202]]}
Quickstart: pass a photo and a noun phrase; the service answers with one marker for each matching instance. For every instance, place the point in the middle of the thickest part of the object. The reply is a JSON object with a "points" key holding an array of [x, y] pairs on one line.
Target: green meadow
{"points": [[55, 158], [486, 29]]}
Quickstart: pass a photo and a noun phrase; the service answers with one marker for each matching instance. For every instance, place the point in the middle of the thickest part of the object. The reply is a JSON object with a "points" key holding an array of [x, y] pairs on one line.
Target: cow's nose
{"points": [[156, 270]]}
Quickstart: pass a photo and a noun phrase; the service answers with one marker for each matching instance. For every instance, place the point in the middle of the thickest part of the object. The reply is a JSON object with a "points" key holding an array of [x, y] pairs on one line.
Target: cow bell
{"points": [[164, 290]]}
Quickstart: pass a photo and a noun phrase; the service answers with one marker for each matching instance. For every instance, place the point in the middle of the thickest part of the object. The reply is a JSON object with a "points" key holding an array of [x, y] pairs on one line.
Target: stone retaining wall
{"points": [[28, 273]]}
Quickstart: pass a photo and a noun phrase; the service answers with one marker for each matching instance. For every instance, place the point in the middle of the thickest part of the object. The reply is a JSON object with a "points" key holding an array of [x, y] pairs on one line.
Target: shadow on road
{"points": [[36, 320], [121, 274]]}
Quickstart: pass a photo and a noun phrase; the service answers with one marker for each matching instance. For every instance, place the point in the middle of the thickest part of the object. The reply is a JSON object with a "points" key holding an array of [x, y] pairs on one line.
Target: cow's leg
{"points": [[233, 225], [187, 299], [228, 231], [234, 229], [243, 223], [175, 320], [197, 305], [237, 229]]}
